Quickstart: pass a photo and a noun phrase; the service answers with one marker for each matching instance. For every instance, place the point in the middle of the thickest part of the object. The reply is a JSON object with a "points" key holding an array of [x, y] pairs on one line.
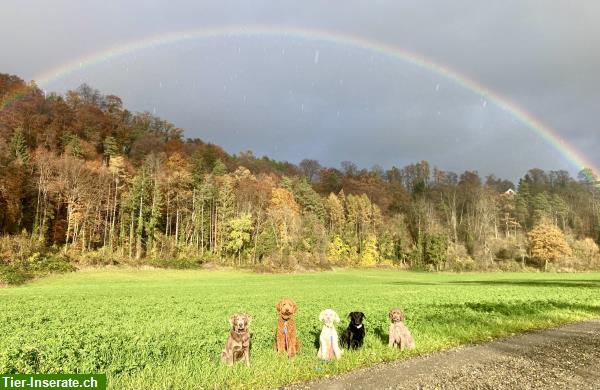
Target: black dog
{"points": [[355, 333]]}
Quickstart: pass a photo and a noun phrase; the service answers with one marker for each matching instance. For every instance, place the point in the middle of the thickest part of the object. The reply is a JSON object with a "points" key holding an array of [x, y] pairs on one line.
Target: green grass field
{"points": [[164, 329]]}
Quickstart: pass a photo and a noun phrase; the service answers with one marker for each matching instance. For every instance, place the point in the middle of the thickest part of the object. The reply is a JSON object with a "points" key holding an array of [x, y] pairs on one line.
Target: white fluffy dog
{"points": [[329, 346]]}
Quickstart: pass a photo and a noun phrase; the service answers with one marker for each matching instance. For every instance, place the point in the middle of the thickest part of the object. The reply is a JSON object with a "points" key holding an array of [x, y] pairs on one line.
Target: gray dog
{"points": [[399, 334], [238, 343]]}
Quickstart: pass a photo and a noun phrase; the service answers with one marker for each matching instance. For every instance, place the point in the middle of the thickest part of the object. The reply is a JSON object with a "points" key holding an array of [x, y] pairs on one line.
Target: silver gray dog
{"points": [[237, 347]]}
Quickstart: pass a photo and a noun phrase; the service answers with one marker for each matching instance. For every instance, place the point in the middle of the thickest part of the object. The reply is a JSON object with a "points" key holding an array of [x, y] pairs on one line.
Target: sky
{"points": [[292, 96]]}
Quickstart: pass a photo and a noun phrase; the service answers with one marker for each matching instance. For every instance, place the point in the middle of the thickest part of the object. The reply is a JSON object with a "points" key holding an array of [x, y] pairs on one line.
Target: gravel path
{"points": [[561, 358]]}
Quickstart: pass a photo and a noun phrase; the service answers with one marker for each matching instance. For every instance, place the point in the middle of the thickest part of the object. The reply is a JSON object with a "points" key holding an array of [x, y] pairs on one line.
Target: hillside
{"points": [[86, 180]]}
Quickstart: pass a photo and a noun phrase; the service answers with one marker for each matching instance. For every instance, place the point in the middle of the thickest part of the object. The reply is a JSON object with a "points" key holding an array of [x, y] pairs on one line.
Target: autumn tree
{"points": [[284, 213], [239, 234], [82, 173], [547, 243], [335, 213]]}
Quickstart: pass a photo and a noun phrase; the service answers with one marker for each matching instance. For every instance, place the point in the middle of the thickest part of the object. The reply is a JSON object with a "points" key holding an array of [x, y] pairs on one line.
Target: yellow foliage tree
{"points": [[338, 251], [285, 214], [548, 243], [370, 254], [335, 212]]}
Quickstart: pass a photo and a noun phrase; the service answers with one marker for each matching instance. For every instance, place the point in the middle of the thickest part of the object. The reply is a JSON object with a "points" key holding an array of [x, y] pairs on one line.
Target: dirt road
{"points": [[561, 358]]}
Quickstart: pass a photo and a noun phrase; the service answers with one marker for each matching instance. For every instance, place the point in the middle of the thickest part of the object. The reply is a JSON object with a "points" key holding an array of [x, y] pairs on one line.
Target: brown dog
{"points": [[286, 339], [399, 334], [238, 343]]}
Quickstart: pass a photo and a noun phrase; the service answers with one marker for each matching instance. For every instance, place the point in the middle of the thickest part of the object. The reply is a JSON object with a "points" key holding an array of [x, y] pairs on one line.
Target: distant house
{"points": [[510, 191]]}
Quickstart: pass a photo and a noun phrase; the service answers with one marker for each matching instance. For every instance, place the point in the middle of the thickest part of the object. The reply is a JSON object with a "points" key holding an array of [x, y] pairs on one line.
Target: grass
{"points": [[165, 329]]}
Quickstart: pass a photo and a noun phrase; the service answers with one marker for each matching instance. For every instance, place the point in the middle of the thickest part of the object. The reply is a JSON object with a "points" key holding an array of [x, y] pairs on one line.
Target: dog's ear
{"points": [[362, 315], [350, 315], [294, 306], [391, 314], [401, 315], [232, 320], [337, 318], [248, 319], [278, 306], [322, 315]]}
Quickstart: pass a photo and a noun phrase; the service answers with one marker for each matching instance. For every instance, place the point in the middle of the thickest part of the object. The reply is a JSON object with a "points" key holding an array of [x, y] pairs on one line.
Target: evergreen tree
{"points": [[435, 248], [522, 204], [305, 196], [540, 205], [110, 147], [219, 168], [18, 147]]}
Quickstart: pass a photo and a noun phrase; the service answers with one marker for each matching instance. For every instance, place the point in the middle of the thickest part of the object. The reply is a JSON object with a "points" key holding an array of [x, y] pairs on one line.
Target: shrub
{"points": [[177, 263], [96, 258], [586, 250], [509, 266], [18, 248], [458, 258], [19, 272], [12, 275]]}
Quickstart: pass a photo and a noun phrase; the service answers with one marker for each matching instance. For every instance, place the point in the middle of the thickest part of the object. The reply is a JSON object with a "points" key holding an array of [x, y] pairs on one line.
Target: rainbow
{"points": [[546, 133]]}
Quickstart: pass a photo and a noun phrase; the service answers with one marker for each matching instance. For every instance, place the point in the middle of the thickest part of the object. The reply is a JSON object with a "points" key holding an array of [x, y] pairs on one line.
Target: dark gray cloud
{"points": [[292, 98]]}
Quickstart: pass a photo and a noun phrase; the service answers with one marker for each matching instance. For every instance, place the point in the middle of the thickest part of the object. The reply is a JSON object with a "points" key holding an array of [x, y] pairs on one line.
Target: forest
{"points": [[84, 181]]}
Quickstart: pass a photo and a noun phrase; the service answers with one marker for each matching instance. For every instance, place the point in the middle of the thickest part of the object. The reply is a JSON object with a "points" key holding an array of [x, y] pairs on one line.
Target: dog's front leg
{"points": [[336, 345], [247, 357], [277, 344], [391, 338], [227, 357]]}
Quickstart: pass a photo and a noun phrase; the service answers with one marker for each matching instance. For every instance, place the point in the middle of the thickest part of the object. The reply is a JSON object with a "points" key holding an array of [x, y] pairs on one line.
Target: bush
{"points": [[509, 266], [586, 250], [18, 248], [12, 275], [53, 263], [508, 248], [96, 258], [37, 265], [177, 263], [458, 258]]}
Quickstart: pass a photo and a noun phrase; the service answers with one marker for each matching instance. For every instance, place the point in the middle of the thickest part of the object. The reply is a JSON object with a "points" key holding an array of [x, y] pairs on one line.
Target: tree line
{"points": [[85, 177]]}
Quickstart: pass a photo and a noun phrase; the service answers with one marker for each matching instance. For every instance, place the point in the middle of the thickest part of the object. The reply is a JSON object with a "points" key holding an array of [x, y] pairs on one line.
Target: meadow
{"points": [[165, 329]]}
